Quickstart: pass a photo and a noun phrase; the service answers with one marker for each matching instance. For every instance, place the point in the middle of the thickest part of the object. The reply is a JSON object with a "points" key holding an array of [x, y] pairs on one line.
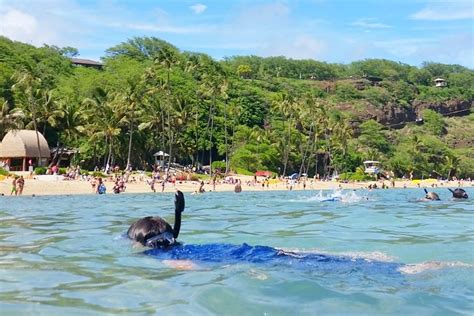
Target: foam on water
{"points": [[432, 265], [338, 196]]}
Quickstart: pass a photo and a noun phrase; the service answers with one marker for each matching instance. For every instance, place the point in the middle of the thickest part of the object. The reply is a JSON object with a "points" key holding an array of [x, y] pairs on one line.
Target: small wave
{"points": [[432, 265], [338, 196], [368, 256]]}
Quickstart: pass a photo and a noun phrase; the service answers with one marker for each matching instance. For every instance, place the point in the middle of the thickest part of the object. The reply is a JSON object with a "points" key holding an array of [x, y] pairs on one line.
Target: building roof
{"points": [[23, 143], [86, 62]]}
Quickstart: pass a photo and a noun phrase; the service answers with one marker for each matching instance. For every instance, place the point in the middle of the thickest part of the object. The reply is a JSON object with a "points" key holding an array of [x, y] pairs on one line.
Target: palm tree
{"points": [[131, 99], [214, 85], [72, 122], [234, 112], [9, 119], [285, 104], [31, 97], [104, 117], [452, 165], [167, 57]]}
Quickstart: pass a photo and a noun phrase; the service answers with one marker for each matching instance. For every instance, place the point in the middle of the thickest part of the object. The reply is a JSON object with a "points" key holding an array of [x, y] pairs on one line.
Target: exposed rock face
{"points": [[396, 116], [450, 108]]}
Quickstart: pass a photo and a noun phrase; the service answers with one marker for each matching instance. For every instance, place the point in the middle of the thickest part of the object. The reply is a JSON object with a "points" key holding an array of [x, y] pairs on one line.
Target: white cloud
{"points": [[370, 24], [161, 28], [18, 25], [198, 8], [301, 47], [405, 47], [445, 11], [22, 26], [450, 49]]}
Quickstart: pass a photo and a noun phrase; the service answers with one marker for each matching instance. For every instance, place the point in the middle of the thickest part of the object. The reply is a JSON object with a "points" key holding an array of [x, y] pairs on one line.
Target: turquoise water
{"points": [[66, 255]]}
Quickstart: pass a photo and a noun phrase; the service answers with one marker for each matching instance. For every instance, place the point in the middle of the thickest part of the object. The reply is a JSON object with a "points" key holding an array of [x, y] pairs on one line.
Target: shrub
{"points": [[355, 176], [99, 174], [62, 171], [40, 170], [244, 172], [218, 165], [4, 172], [194, 177]]}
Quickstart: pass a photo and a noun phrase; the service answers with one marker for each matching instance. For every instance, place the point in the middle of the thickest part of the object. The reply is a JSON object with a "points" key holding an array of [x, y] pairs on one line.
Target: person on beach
{"points": [[21, 184], [238, 187], [163, 183], [152, 184], [13, 186], [93, 184], [214, 180], [201, 187], [101, 189]]}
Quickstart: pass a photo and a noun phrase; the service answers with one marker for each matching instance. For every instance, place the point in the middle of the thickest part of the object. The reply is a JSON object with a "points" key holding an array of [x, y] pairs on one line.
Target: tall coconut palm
{"points": [[130, 99], [452, 165], [72, 122], [104, 117], [214, 86], [30, 97], [284, 104], [168, 57]]}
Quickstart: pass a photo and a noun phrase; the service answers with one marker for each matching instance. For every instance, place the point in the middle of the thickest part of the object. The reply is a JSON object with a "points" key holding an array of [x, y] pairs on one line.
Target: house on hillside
{"points": [[87, 63], [440, 82], [19, 150]]}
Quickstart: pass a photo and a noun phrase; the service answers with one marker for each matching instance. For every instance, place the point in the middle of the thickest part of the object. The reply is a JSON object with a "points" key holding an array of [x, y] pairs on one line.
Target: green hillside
{"points": [[256, 113]]}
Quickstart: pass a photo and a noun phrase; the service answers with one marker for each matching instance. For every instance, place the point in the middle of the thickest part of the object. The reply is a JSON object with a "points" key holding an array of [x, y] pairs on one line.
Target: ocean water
{"points": [[254, 253]]}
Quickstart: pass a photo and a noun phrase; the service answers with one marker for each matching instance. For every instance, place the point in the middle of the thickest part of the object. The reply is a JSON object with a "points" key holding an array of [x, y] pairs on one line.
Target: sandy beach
{"points": [[55, 185]]}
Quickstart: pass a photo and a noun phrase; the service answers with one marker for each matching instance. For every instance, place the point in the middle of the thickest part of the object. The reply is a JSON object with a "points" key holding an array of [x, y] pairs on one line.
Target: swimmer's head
{"points": [[459, 193], [432, 196]]}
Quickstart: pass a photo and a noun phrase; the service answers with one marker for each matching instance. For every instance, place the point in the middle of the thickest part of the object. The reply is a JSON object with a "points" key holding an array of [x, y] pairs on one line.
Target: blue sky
{"points": [[409, 31]]}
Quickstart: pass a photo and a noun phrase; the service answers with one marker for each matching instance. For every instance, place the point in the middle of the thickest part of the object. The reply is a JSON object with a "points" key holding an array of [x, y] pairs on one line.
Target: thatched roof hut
{"points": [[21, 145]]}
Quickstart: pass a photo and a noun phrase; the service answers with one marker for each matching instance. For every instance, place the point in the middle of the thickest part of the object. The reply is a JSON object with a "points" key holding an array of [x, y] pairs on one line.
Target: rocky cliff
{"points": [[396, 116]]}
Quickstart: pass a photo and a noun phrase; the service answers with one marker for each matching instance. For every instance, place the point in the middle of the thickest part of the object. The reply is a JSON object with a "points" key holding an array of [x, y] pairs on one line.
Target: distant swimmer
{"points": [[238, 187], [201, 187], [432, 196], [459, 193]]}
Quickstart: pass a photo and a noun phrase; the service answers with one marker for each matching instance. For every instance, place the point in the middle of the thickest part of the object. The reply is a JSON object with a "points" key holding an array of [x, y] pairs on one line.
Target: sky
{"points": [[334, 31]]}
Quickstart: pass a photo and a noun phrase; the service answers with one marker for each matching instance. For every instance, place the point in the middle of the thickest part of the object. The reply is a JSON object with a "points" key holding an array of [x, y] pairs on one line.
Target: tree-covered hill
{"points": [[254, 113]]}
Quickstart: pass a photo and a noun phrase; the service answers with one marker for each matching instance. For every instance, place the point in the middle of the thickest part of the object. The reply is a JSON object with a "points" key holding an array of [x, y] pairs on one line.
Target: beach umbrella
{"points": [[294, 176], [160, 154]]}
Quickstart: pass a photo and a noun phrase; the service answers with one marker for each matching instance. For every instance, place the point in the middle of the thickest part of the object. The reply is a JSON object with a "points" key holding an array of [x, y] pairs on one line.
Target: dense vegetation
{"points": [[244, 112]]}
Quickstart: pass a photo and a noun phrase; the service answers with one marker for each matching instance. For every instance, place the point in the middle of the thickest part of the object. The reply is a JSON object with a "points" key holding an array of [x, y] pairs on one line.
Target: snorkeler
{"points": [[459, 193], [431, 196]]}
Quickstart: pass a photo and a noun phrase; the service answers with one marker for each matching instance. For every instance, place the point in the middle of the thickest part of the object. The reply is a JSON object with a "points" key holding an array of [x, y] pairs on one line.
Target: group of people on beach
{"points": [[18, 184]]}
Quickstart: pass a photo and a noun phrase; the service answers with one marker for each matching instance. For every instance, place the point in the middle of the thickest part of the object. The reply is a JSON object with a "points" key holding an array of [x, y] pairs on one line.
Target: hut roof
{"points": [[22, 143], [86, 62]]}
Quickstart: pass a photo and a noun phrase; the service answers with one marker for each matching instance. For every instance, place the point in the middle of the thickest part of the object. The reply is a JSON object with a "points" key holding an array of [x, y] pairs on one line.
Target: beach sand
{"points": [[54, 185]]}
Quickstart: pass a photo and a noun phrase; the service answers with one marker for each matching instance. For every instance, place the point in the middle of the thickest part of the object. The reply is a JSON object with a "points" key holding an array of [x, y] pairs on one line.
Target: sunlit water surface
{"points": [[66, 255]]}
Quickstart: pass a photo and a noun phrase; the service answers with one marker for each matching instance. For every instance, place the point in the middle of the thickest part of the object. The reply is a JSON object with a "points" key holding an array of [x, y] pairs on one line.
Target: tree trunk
{"points": [[287, 149], [211, 125], [306, 150], [109, 155], [225, 140], [130, 144]]}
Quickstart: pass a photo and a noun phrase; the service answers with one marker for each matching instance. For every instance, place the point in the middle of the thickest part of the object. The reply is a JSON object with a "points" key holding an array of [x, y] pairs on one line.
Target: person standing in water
{"points": [[101, 189], [14, 186], [21, 184], [238, 187], [201, 187]]}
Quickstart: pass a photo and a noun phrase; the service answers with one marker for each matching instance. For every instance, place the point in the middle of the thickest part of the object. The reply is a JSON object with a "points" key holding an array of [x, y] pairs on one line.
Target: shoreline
{"points": [[57, 186]]}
